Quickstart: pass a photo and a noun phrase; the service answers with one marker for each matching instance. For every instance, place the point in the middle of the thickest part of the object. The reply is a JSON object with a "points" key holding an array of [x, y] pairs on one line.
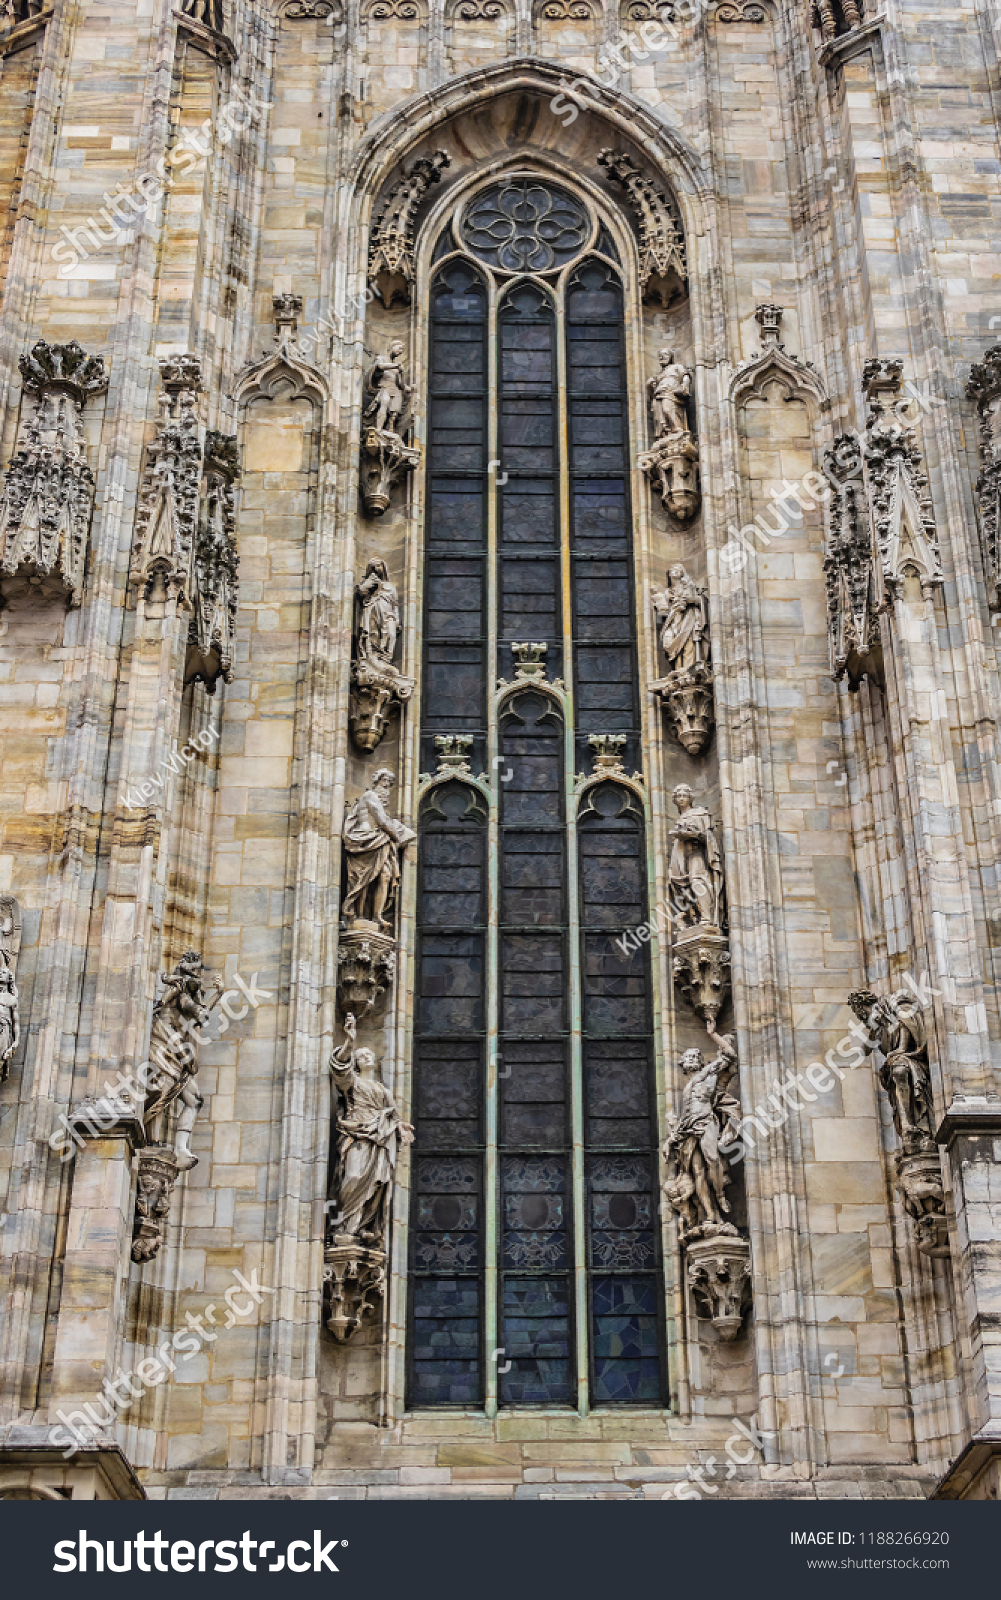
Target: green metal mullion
{"points": [[490, 1185], [573, 900]]}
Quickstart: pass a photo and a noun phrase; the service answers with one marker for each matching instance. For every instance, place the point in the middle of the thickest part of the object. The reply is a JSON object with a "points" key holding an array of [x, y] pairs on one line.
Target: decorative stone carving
{"points": [[697, 894], [282, 371], [453, 751], [897, 1035], [741, 11], [385, 456], [718, 1258], [311, 10], [529, 661], [167, 518], [373, 844], [48, 492], [905, 536], [10, 946], [835, 17], [695, 870], [391, 249], [215, 587], [608, 749], [370, 1132], [663, 268], [852, 601], [985, 388], [772, 361], [682, 612], [208, 12], [179, 1016], [378, 690], [366, 968], [672, 462]]}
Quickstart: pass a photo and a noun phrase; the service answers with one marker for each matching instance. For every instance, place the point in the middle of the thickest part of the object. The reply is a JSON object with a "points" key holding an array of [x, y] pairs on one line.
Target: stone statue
{"points": [[10, 1025], [373, 841], [387, 384], [683, 611], [179, 1016], [709, 1117], [378, 616], [371, 1132], [695, 870], [668, 392], [895, 1026]]}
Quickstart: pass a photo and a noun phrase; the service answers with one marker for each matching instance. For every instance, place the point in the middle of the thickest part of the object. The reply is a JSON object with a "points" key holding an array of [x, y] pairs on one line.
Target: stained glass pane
{"points": [[522, 225]]}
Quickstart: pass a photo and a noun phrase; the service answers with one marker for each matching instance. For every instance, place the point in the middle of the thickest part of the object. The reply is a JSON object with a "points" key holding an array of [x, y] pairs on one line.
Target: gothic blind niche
{"points": [[535, 1269]]}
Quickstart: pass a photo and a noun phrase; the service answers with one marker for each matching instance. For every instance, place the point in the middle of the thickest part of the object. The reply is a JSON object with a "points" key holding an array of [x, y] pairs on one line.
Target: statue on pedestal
{"points": [[682, 611]]}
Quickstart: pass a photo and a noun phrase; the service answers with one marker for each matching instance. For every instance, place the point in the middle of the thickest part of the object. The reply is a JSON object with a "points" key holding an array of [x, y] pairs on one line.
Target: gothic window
{"points": [[534, 1224]]}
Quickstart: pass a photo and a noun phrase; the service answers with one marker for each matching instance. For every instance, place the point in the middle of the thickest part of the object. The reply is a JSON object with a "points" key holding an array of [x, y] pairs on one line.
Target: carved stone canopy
{"points": [[391, 250], [48, 493], [215, 586], [283, 370], [835, 17], [663, 268], [985, 388], [853, 604], [906, 538]]}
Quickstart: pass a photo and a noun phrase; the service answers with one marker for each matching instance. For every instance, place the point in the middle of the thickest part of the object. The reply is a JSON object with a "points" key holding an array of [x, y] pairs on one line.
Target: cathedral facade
{"points": [[499, 787]]}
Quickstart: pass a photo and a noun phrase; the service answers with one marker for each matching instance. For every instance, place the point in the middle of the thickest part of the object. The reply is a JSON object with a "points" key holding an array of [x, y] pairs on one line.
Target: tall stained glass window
{"points": [[535, 1273]]}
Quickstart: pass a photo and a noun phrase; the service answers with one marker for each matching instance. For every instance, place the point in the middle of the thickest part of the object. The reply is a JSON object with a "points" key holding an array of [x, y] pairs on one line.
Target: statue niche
{"points": [[682, 612], [370, 1133], [897, 1037], [378, 689], [672, 462], [385, 455], [179, 1018], [373, 844], [697, 892], [719, 1259]]}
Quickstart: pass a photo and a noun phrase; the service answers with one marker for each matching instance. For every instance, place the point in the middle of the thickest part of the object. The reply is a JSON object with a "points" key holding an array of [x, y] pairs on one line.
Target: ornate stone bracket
{"points": [[366, 968], [354, 1277], [663, 268], [155, 1181], [719, 1271], [215, 589], [702, 971], [282, 371], [391, 249], [48, 493], [672, 465], [205, 21], [985, 388], [385, 460], [919, 1179], [688, 696], [377, 693]]}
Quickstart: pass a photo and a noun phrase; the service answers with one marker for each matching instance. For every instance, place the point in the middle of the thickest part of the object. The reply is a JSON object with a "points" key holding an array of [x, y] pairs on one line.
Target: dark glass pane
{"points": [[535, 1324], [445, 1341], [622, 1212], [453, 687], [532, 879], [536, 1214], [614, 986], [522, 225], [449, 1094], [625, 1339], [532, 983], [617, 1091]]}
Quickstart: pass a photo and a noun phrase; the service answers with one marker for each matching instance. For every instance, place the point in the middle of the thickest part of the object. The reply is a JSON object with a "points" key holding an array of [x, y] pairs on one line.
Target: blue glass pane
{"points": [[535, 1321], [445, 1341], [624, 1335]]}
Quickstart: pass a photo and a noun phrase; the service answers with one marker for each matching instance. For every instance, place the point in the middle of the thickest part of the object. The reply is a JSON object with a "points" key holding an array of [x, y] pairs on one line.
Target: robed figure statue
{"points": [[370, 1132], [709, 1119], [695, 870]]}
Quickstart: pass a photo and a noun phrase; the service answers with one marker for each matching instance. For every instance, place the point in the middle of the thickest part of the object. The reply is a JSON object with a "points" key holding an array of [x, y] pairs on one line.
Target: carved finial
{"points": [[663, 268], [391, 250], [529, 660], [287, 308], [63, 366], [453, 751], [768, 317], [608, 750]]}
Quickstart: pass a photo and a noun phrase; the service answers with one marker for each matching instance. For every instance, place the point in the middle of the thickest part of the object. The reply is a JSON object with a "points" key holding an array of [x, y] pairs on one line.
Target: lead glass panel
{"points": [[522, 225]]}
